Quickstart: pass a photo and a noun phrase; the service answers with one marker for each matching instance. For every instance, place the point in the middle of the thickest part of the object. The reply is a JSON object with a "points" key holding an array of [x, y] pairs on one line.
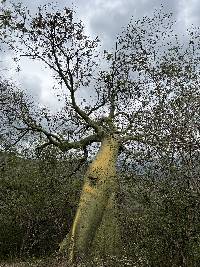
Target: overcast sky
{"points": [[104, 18]]}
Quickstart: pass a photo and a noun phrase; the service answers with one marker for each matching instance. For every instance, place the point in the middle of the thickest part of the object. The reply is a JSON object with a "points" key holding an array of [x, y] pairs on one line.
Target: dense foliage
{"points": [[37, 204], [159, 215], [162, 222]]}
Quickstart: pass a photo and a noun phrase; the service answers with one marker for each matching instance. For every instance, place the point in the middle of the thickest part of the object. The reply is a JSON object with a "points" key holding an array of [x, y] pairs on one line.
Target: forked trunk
{"points": [[99, 186]]}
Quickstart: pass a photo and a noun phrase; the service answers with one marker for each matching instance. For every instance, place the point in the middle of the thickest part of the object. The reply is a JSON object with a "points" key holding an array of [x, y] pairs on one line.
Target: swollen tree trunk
{"points": [[97, 194]]}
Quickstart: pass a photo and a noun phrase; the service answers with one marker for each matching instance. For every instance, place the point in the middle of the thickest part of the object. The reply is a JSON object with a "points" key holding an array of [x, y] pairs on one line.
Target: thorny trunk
{"points": [[97, 193]]}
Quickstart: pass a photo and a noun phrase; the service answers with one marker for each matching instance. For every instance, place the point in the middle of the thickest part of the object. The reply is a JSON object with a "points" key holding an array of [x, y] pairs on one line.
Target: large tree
{"points": [[142, 97]]}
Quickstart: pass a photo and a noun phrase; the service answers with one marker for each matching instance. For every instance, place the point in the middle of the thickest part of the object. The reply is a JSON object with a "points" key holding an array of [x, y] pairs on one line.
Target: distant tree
{"points": [[142, 101]]}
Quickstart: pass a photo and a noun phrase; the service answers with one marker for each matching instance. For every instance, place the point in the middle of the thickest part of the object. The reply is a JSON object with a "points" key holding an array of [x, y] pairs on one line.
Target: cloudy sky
{"points": [[104, 18]]}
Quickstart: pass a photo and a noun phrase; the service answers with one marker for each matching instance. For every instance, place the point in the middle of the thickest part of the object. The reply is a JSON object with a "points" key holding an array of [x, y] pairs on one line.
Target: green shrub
{"points": [[38, 200], [161, 222]]}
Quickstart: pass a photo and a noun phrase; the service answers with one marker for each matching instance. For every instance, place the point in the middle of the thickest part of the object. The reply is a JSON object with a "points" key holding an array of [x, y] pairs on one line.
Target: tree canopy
{"points": [[145, 90]]}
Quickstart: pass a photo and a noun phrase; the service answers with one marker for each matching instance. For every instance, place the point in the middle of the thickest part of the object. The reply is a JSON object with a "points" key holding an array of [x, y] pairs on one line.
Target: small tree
{"points": [[142, 96]]}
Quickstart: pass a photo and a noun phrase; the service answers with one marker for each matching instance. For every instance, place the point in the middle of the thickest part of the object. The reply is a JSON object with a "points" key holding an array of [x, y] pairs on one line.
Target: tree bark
{"points": [[99, 186]]}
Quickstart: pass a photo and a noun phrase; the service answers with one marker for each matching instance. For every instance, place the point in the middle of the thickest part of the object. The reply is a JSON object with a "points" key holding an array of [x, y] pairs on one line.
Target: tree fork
{"points": [[99, 185]]}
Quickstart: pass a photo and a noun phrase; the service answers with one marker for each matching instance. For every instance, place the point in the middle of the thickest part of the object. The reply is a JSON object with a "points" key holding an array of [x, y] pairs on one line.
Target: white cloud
{"points": [[104, 18], [189, 12]]}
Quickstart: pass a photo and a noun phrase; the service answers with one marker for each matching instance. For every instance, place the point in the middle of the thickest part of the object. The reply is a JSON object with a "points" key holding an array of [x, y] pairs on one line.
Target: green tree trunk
{"points": [[96, 213], [107, 241]]}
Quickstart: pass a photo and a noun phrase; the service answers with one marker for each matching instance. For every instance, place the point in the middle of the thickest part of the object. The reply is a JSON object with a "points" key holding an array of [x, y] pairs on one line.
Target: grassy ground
{"points": [[48, 262], [61, 262]]}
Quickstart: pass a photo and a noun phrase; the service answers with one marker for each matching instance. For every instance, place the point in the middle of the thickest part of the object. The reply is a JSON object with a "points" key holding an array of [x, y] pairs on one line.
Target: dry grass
{"points": [[62, 262], [49, 262]]}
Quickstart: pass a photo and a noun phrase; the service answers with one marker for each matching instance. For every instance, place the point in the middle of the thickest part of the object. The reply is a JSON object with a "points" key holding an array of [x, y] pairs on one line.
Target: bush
{"points": [[159, 215], [37, 205], [163, 222]]}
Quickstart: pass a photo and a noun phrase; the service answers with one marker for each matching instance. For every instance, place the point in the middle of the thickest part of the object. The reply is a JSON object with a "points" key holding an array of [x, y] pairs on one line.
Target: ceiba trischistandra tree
{"points": [[134, 97]]}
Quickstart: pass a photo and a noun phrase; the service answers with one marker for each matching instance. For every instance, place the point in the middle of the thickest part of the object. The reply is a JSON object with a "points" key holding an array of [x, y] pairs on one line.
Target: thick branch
{"points": [[63, 145], [138, 138]]}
